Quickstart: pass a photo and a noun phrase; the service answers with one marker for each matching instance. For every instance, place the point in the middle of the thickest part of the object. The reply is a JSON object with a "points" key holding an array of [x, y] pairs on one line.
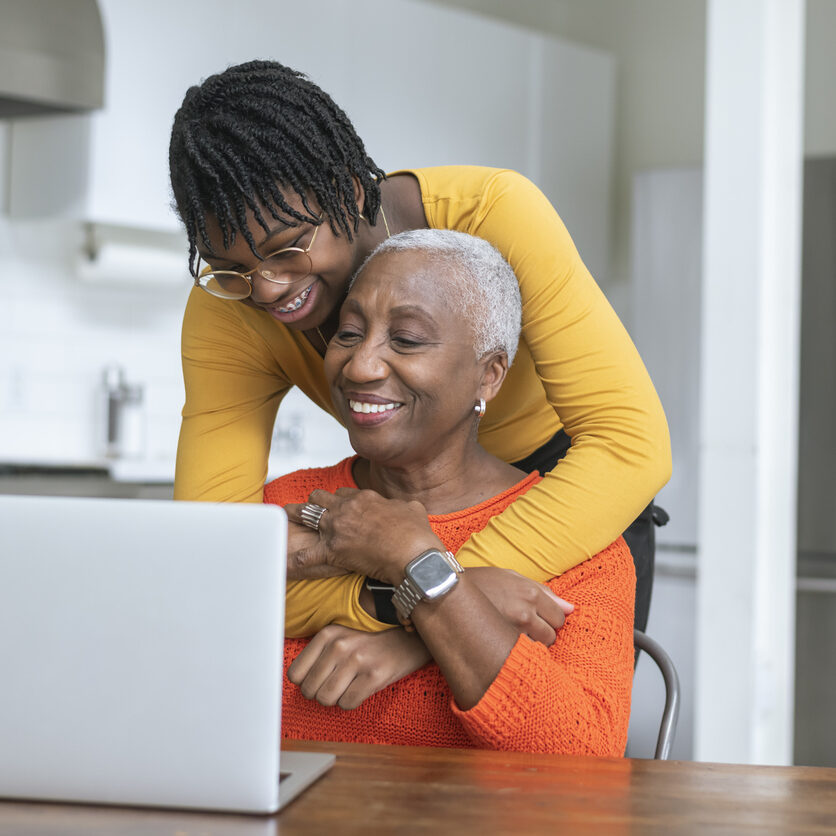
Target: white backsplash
{"points": [[57, 334]]}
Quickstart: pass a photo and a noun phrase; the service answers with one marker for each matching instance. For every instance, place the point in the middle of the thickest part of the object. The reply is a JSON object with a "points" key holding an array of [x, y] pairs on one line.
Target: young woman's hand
{"points": [[344, 667], [529, 606], [306, 554]]}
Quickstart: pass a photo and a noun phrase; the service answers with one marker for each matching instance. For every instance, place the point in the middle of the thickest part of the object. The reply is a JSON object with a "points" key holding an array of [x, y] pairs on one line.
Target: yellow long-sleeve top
{"points": [[576, 368]]}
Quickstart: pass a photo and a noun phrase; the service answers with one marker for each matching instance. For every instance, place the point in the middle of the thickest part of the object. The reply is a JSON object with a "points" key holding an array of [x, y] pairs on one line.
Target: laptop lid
{"points": [[141, 647]]}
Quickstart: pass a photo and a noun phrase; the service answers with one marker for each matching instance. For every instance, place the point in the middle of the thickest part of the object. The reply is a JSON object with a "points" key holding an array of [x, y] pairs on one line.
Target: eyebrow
{"points": [[413, 310], [399, 311], [263, 247]]}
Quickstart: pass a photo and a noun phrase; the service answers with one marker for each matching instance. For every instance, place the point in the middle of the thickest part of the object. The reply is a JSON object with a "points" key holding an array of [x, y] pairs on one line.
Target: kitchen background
{"points": [[599, 101]]}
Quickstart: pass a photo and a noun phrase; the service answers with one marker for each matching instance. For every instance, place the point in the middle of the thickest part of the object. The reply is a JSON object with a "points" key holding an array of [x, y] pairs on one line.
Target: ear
{"points": [[359, 193], [494, 368]]}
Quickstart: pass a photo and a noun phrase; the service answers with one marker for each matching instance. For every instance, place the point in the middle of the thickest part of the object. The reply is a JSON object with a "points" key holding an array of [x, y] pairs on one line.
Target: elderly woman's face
{"points": [[403, 372]]}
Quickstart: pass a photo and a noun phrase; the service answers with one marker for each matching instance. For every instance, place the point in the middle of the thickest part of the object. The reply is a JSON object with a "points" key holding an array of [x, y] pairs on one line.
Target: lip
{"points": [[288, 317]]}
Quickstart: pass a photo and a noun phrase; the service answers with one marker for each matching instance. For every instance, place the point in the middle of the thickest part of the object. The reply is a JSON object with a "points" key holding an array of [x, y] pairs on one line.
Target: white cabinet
{"points": [[667, 248], [424, 85], [667, 275]]}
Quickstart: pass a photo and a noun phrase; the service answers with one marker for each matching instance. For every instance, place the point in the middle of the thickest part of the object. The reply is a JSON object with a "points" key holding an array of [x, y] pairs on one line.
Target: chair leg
{"points": [[670, 715]]}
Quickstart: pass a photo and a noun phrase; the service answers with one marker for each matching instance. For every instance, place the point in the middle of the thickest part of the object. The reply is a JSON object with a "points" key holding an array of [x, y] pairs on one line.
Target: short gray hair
{"points": [[488, 294]]}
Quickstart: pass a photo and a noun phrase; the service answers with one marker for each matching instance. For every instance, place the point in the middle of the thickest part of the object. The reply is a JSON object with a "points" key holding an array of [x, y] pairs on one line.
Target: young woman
{"points": [[279, 197], [428, 358]]}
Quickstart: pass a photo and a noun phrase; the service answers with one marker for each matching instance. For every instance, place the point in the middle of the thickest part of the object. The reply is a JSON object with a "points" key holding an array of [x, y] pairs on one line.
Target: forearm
{"points": [[468, 639], [578, 509]]}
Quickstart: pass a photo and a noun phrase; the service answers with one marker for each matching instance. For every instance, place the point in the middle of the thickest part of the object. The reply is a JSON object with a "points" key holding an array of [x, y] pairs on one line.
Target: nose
{"points": [[365, 363]]}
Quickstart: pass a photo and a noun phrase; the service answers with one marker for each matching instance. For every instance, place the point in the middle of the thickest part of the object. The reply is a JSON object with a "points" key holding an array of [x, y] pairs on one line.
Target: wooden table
{"points": [[399, 790]]}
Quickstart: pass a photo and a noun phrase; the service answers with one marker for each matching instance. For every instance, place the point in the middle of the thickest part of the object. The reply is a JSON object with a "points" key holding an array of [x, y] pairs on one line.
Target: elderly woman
{"points": [[425, 338]]}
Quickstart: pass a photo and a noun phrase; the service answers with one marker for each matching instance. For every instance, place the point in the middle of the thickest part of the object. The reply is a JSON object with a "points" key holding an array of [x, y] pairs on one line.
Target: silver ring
{"points": [[311, 515]]}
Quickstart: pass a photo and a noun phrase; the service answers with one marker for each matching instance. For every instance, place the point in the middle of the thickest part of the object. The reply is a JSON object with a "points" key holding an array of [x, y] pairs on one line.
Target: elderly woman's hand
{"points": [[363, 532], [344, 667]]}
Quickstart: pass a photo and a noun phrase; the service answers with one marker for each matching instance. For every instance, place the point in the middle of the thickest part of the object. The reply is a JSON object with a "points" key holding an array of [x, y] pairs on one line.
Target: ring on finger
{"points": [[311, 514]]}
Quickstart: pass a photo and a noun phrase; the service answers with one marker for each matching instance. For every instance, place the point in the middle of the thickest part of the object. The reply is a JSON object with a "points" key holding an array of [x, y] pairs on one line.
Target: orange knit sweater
{"points": [[572, 697]]}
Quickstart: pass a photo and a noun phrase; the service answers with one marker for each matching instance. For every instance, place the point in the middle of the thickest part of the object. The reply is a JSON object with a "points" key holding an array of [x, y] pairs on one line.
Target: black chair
{"points": [[641, 538]]}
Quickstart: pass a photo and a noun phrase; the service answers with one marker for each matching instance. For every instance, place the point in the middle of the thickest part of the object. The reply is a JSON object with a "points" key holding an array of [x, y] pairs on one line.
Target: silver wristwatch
{"points": [[428, 577]]}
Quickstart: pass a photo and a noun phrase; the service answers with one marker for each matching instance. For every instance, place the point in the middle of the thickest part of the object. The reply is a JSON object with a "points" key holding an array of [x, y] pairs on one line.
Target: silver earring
{"points": [[479, 409]]}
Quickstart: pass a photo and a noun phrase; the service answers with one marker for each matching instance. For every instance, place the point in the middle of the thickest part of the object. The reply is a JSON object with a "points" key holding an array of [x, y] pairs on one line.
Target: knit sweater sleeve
{"points": [[575, 695]]}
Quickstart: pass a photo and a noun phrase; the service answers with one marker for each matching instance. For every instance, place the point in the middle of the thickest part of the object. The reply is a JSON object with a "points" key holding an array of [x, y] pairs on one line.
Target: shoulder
{"points": [[297, 486], [481, 201], [463, 180]]}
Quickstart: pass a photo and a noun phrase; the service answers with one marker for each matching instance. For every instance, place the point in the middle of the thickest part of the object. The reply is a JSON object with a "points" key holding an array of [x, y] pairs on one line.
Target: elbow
{"points": [[663, 463], [657, 461], [665, 458]]}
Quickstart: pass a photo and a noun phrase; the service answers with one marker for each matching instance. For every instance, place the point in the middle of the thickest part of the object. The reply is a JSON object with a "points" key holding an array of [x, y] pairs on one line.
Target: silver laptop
{"points": [[141, 647]]}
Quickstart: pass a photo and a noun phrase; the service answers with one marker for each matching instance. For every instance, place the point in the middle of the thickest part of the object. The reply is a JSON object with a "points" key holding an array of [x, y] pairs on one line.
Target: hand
{"points": [[306, 554], [365, 533], [530, 606], [341, 666]]}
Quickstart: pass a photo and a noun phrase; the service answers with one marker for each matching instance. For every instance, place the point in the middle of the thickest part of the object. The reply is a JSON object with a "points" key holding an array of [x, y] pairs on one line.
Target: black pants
{"points": [[640, 536]]}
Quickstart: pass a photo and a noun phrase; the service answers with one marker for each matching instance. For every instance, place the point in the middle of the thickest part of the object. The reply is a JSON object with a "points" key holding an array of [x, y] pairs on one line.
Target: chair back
{"points": [[670, 715]]}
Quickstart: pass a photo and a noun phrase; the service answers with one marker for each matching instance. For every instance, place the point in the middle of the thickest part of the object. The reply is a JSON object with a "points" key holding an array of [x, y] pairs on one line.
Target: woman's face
{"points": [[403, 373], [309, 301]]}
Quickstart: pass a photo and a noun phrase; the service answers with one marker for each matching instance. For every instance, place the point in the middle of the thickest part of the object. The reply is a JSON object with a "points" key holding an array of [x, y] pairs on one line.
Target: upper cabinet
{"points": [[424, 85]]}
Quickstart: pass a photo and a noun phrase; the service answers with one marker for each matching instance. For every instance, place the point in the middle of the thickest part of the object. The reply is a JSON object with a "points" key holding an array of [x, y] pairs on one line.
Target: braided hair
{"points": [[244, 135]]}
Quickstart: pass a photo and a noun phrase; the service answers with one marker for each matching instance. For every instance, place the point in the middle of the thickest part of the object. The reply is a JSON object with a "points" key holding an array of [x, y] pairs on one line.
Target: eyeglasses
{"points": [[292, 264]]}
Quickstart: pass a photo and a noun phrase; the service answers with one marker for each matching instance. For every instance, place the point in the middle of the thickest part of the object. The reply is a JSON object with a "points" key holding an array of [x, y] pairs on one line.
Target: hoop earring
{"points": [[479, 409]]}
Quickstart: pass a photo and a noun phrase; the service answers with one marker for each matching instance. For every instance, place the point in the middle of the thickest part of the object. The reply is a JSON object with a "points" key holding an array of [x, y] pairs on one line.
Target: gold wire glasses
{"points": [[285, 266]]}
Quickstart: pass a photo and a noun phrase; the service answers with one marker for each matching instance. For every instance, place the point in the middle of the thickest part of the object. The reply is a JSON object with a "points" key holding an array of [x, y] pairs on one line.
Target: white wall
{"points": [[659, 49], [403, 70]]}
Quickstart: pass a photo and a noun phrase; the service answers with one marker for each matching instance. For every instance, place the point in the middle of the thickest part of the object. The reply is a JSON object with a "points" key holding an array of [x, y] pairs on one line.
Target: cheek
{"points": [[332, 365], [451, 385], [340, 261]]}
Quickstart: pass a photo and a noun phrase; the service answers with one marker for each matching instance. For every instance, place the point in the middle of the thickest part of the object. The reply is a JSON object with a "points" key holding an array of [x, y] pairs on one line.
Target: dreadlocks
{"points": [[245, 134]]}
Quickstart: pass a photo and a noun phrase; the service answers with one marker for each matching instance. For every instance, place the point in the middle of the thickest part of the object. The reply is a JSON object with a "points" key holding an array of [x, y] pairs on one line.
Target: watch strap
{"points": [[385, 611]]}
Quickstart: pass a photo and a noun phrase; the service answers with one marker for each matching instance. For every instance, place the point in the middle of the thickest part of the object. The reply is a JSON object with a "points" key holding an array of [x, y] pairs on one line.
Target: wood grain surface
{"points": [[392, 789]]}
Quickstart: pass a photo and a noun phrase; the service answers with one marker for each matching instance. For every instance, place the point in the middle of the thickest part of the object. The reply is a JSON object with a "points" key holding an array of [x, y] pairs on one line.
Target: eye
{"points": [[406, 342], [347, 336]]}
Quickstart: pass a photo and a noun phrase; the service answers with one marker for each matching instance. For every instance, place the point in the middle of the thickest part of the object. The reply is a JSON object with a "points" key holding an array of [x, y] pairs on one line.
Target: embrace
{"points": [[471, 658]]}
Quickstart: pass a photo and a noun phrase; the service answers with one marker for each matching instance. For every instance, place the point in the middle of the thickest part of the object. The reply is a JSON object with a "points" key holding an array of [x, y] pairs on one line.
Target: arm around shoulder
{"points": [[595, 382]]}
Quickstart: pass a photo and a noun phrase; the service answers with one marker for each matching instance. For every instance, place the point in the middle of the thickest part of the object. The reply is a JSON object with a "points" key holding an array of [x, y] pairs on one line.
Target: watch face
{"points": [[433, 575]]}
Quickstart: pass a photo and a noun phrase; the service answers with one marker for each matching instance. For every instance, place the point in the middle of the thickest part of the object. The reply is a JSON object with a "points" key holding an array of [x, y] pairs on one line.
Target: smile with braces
{"points": [[297, 302]]}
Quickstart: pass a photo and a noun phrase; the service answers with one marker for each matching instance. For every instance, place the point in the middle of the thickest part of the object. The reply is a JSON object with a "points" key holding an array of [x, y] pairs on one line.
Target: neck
{"points": [[444, 484], [401, 197]]}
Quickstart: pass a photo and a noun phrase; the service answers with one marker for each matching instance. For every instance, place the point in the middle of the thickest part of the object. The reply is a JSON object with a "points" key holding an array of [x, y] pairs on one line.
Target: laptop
{"points": [[141, 648]]}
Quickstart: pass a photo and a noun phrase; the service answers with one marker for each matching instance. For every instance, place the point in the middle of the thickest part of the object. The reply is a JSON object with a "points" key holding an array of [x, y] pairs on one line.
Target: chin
{"points": [[375, 453]]}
